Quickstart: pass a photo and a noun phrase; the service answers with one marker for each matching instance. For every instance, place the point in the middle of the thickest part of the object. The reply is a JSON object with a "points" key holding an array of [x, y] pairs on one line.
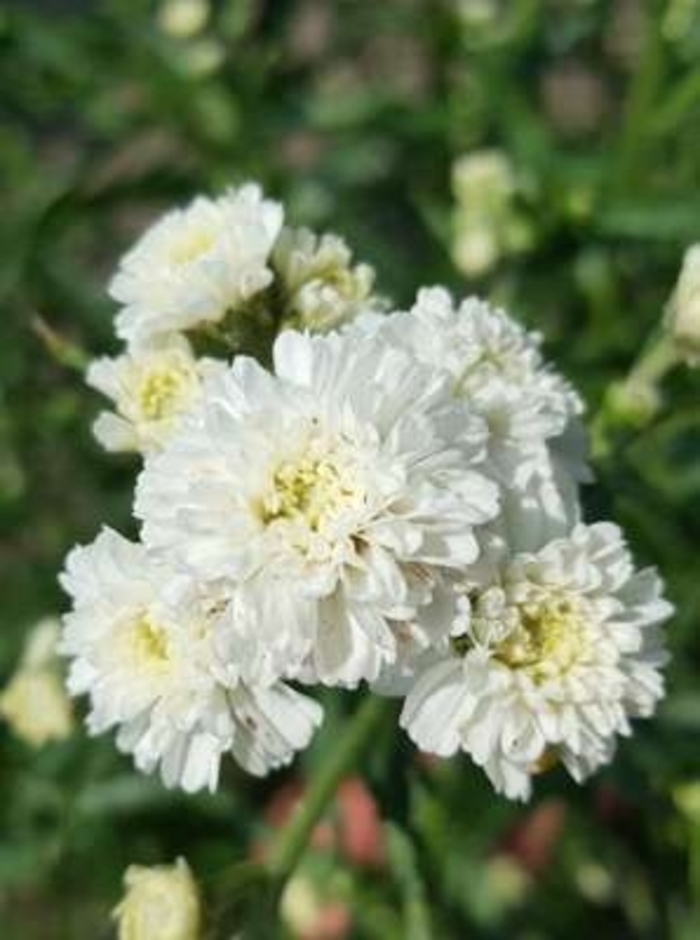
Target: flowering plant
{"points": [[363, 497]]}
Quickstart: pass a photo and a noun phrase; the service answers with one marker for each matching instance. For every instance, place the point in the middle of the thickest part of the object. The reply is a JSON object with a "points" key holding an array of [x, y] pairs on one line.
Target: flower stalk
{"points": [[292, 840], [634, 401]]}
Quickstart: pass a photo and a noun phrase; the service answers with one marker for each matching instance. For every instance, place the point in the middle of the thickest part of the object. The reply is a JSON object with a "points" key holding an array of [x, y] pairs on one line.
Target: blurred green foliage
{"points": [[353, 113]]}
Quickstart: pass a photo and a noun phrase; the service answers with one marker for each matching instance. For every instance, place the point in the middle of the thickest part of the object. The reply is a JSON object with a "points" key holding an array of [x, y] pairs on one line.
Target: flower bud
{"points": [[323, 287], [35, 702], [486, 222], [183, 19], [160, 902], [684, 308], [36, 706], [633, 402]]}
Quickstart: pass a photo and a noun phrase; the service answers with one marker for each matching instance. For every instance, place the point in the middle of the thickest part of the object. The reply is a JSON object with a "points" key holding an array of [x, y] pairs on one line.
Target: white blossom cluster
{"points": [[392, 500]]}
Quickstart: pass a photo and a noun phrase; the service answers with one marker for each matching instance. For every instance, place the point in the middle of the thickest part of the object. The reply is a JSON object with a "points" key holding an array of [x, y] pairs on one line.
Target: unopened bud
{"points": [[162, 902], [684, 308]]}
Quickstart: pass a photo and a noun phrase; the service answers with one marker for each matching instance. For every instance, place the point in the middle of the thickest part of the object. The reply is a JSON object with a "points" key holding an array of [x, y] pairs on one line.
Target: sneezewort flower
{"points": [[333, 497], [557, 649], [534, 436], [152, 388], [196, 264], [142, 647]]}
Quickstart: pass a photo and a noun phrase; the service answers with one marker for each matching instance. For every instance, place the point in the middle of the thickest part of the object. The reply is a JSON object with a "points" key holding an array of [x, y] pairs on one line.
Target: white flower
{"points": [[684, 308], [322, 288], [560, 647], [196, 264], [34, 702], [142, 648], [160, 903], [333, 498], [151, 389], [535, 437]]}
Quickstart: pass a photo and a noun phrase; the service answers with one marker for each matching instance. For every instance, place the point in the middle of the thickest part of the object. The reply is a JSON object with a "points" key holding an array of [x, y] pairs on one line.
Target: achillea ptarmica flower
{"points": [[497, 369], [558, 649], [34, 702], [322, 288], [684, 308], [197, 264], [160, 902], [142, 648], [151, 389], [334, 497]]}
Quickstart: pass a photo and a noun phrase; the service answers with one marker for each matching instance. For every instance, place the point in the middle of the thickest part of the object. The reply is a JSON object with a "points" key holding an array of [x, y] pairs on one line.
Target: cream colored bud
{"points": [[183, 19], [507, 882], [486, 222], [300, 906], [36, 706], [684, 308], [477, 12], [161, 903], [476, 249], [35, 703], [484, 178]]}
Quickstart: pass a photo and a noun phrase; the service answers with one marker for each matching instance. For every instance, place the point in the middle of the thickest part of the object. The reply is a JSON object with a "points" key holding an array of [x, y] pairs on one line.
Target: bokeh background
{"points": [[544, 153]]}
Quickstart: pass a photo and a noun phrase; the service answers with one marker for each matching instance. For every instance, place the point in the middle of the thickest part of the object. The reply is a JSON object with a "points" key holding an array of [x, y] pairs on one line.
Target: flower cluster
{"points": [[391, 499]]}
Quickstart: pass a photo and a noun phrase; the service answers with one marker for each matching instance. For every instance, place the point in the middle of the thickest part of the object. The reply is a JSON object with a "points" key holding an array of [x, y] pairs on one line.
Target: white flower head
{"points": [[332, 497], [322, 287], [161, 901], [561, 647], [497, 369], [142, 646], [152, 388], [196, 264]]}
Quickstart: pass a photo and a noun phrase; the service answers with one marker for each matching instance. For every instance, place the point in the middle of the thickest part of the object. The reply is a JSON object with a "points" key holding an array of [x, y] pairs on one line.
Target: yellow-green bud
{"points": [[161, 902]]}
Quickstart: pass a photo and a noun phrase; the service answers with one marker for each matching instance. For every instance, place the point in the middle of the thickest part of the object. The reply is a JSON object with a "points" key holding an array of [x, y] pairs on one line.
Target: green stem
{"points": [[655, 360], [292, 841], [634, 401], [66, 353], [404, 864], [694, 861]]}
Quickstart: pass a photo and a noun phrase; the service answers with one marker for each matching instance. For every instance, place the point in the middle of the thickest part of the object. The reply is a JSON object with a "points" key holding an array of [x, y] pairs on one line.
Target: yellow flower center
{"points": [[148, 643], [312, 490], [191, 247], [161, 392], [552, 636]]}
